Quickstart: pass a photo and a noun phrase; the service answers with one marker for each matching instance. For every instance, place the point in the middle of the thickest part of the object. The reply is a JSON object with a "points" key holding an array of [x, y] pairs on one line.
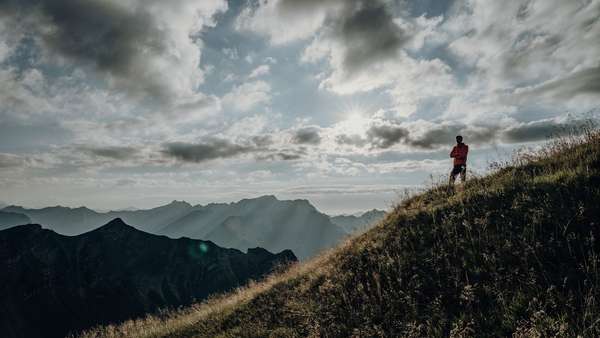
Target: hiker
{"points": [[459, 154]]}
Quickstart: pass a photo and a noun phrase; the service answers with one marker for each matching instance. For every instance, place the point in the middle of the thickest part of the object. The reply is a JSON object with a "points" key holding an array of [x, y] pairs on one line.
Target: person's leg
{"points": [[453, 174], [463, 173]]}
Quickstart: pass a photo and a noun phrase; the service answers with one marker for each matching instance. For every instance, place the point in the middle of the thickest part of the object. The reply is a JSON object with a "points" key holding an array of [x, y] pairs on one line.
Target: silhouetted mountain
{"points": [[352, 223], [265, 221], [10, 219], [51, 284]]}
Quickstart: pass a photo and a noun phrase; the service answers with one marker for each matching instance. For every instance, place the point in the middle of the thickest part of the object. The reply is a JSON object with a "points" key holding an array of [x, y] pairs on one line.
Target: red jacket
{"points": [[459, 153]]}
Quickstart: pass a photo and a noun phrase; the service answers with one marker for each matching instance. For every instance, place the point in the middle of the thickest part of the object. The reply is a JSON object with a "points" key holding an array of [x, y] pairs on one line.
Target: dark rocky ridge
{"points": [[53, 284]]}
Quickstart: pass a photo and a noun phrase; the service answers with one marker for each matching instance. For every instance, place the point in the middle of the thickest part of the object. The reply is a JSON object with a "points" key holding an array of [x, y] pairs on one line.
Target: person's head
{"points": [[459, 139]]}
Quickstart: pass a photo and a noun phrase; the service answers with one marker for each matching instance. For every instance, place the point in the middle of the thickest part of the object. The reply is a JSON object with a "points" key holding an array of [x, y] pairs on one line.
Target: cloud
{"points": [[11, 161], [207, 150], [545, 52], [111, 152], [246, 96], [424, 135], [259, 71], [385, 136], [309, 135], [369, 33], [285, 21], [541, 130], [365, 28], [144, 47], [351, 140], [582, 82]]}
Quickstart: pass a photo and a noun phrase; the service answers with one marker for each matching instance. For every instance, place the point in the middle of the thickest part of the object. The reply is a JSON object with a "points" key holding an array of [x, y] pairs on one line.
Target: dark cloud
{"points": [[385, 136], [207, 150], [369, 34], [307, 136], [117, 153], [366, 28]]}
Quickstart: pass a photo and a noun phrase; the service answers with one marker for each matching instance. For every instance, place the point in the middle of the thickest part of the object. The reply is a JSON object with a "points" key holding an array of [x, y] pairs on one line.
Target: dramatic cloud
{"points": [[143, 47], [307, 136]]}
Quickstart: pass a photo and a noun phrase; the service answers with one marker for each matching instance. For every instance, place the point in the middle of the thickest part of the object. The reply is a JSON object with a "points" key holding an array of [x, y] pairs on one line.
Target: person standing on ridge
{"points": [[459, 154]]}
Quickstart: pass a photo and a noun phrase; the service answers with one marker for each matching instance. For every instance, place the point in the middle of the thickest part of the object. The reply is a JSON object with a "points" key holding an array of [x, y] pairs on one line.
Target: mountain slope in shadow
{"points": [[52, 284], [11, 219]]}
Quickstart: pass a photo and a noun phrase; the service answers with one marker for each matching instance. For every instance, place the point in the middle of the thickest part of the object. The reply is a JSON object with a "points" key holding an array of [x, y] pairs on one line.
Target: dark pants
{"points": [[460, 169]]}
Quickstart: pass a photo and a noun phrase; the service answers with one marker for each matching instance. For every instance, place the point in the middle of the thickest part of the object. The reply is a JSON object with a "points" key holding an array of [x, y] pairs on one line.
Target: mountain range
{"points": [[264, 221], [53, 284]]}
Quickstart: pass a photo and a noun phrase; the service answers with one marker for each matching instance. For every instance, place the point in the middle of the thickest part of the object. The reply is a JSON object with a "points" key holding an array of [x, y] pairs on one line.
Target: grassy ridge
{"points": [[516, 253]]}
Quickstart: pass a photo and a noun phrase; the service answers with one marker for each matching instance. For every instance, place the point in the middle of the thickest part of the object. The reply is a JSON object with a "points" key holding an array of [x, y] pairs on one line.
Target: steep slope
{"points": [[265, 221], [10, 219], [51, 284], [517, 253], [353, 223]]}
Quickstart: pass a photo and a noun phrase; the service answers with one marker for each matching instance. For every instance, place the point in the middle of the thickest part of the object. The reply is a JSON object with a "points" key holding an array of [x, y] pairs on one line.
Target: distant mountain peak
{"points": [[116, 225], [179, 203]]}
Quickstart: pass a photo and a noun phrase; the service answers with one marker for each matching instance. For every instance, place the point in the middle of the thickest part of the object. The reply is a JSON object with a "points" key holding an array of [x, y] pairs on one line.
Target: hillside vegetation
{"points": [[516, 253]]}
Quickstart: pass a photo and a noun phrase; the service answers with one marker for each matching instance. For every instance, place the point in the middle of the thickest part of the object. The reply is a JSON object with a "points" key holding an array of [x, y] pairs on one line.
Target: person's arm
{"points": [[453, 152]]}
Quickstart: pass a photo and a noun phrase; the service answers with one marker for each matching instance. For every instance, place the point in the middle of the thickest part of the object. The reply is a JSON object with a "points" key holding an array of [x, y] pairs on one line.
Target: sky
{"points": [[347, 103]]}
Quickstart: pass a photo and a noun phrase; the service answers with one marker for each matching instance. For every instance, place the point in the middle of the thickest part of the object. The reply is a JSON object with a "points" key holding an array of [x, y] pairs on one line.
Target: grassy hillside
{"points": [[516, 253]]}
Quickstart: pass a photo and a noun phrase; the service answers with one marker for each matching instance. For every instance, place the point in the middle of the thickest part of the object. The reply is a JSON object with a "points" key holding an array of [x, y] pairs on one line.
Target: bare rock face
{"points": [[52, 284]]}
